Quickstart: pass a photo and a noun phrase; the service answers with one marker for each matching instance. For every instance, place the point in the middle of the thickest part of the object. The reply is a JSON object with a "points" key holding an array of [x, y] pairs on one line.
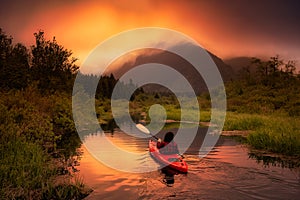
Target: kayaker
{"points": [[168, 146]]}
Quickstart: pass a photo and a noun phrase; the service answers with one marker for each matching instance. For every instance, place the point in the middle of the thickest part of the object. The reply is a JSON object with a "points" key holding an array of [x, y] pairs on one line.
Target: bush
{"points": [[31, 126]]}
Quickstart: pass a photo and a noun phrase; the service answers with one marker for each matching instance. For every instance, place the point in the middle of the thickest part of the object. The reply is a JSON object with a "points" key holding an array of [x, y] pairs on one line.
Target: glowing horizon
{"points": [[222, 29]]}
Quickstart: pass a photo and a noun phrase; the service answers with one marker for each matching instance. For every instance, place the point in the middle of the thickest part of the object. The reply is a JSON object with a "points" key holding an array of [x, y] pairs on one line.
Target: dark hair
{"points": [[169, 137]]}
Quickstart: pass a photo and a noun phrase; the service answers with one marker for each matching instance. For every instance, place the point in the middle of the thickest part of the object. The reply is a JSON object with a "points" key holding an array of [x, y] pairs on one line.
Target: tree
{"points": [[270, 72], [5, 47], [274, 64], [13, 63], [52, 64], [290, 67]]}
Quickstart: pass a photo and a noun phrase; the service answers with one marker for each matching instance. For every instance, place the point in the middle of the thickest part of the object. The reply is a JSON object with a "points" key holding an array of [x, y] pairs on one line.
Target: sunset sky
{"points": [[226, 28]]}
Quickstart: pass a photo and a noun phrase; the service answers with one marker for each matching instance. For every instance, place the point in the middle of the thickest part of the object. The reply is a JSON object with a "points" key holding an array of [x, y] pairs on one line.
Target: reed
{"points": [[278, 135], [275, 132], [23, 169], [243, 121], [32, 127]]}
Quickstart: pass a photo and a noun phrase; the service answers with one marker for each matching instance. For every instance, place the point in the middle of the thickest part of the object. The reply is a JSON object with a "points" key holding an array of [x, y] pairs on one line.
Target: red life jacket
{"points": [[167, 148]]}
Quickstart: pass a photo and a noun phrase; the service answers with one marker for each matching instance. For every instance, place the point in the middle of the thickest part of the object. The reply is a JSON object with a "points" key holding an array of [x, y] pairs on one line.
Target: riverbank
{"points": [[38, 142], [276, 132]]}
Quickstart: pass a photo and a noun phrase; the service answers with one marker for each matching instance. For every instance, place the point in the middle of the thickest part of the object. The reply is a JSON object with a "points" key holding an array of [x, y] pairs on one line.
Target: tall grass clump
{"points": [[23, 170], [33, 128], [242, 121], [72, 189], [279, 135]]}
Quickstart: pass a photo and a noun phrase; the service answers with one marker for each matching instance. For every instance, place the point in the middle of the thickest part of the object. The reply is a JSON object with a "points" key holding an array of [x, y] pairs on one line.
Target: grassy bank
{"points": [[34, 155], [27, 172], [276, 133]]}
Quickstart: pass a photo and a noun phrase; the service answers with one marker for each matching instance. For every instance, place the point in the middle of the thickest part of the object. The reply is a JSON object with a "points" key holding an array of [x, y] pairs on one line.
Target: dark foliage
{"points": [[14, 64], [274, 85], [47, 63], [105, 86]]}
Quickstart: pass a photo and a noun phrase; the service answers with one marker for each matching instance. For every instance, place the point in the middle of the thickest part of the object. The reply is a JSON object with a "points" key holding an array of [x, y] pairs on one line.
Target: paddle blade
{"points": [[143, 128]]}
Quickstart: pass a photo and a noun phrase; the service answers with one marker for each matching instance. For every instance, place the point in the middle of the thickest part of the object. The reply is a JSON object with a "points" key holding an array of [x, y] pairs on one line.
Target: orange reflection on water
{"points": [[227, 172], [105, 180], [121, 152]]}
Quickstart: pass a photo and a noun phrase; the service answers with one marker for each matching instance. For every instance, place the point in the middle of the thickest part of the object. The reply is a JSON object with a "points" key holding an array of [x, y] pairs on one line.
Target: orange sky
{"points": [[226, 30]]}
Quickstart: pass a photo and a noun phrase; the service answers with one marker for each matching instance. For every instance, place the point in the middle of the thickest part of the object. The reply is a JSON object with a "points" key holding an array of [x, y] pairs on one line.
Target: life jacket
{"points": [[167, 148]]}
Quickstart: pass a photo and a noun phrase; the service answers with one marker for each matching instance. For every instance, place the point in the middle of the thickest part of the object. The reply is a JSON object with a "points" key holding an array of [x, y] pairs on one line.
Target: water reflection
{"points": [[228, 172], [110, 126], [268, 160], [169, 175]]}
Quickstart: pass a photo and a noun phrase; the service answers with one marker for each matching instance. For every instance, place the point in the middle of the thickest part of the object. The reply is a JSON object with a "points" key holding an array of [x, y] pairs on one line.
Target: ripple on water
{"points": [[226, 173]]}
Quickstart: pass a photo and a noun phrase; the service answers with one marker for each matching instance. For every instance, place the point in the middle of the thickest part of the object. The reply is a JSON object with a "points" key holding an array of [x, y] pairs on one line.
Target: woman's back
{"points": [[168, 146]]}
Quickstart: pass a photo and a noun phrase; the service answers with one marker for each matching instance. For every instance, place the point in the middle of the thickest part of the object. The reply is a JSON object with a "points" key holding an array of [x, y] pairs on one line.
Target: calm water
{"points": [[226, 173]]}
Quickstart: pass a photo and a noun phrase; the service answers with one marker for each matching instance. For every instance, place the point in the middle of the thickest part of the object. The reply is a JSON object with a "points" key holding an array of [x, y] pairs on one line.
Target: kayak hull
{"points": [[173, 161]]}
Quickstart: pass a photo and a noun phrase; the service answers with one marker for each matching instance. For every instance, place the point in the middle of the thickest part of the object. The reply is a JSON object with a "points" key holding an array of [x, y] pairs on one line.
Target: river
{"points": [[227, 172]]}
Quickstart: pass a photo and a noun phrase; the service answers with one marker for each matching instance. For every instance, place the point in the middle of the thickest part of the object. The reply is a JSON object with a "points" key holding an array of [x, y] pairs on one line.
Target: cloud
{"points": [[226, 28]]}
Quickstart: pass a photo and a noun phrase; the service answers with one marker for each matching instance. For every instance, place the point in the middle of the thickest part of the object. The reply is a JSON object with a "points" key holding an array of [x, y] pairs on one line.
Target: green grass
{"points": [[27, 172], [242, 121], [275, 132], [205, 115], [23, 169], [68, 190], [278, 135], [272, 131], [31, 128]]}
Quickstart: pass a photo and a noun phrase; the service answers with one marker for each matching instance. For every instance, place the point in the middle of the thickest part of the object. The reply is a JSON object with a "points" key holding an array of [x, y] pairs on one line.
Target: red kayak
{"points": [[174, 161]]}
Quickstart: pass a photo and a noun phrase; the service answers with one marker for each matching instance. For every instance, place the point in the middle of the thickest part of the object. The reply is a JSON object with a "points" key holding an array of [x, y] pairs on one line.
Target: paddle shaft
{"points": [[146, 131], [154, 136]]}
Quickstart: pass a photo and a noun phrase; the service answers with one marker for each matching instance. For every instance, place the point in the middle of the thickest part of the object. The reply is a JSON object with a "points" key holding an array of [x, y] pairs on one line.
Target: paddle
{"points": [[143, 129]]}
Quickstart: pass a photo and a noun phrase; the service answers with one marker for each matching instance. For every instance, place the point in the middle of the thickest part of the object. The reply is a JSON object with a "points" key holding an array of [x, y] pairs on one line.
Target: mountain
{"points": [[226, 69], [146, 56], [239, 64]]}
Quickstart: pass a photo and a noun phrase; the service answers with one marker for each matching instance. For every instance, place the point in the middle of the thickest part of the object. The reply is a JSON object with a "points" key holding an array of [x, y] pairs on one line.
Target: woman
{"points": [[168, 146]]}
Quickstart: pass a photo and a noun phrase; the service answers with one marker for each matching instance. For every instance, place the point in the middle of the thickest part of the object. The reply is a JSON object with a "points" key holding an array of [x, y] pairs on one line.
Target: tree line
{"points": [[106, 85], [266, 86], [46, 63]]}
